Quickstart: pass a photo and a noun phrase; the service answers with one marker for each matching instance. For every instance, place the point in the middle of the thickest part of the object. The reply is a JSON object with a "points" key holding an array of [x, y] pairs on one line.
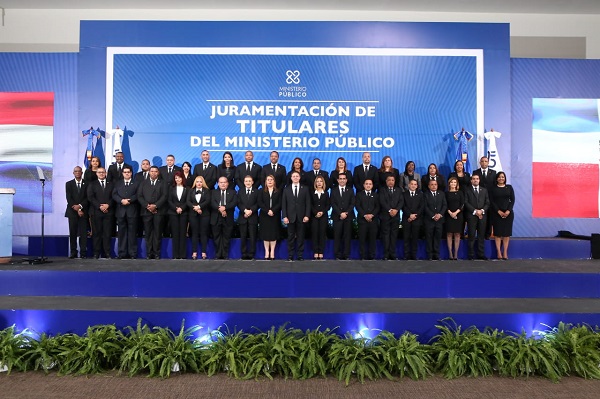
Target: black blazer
{"points": [[413, 205], [441, 181], [149, 194], [490, 179], [333, 179], [205, 198], [120, 192], [246, 201], [341, 204], [473, 202], [360, 176], [112, 174], [435, 205], [273, 203], [295, 209], [388, 201], [163, 174], [366, 205], [97, 196], [139, 177], [382, 176], [209, 175], [319, 204], [231, 200], [255, 173], [175, 202], [76, 197], [280, 175]]}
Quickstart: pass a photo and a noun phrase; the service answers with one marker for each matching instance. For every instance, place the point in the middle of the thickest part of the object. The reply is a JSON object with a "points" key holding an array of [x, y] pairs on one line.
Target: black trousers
{"points": [[319, 233], [367, 235], [200, 226], [296, 238], [389, 236], [410, 235], [342, 233], [222, 230], [103, 227], [78, 233], [433, 236], [248, 232], [153, 233], [476, 225], [127, 234], [178, 225]]}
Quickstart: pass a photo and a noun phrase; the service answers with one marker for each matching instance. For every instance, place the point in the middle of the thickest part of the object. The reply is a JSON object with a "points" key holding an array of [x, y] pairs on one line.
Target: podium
{"points": [[6, 221]]}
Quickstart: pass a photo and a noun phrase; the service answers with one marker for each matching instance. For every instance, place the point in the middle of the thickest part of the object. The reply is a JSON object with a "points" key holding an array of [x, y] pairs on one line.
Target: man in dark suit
{"points": [[248, 168], [391, 201], [435, 209], [342, 214], [115, 171], [295, 209], [152, 196], [207, 170], [367, 207], [223, 203], [165, 173], [412, 219], [143, 174], [77, 213], [487, 180], [365, 171], [127, 213], [477, 204], [274, 168], [317, 171], [103, 212], [248, 217]]}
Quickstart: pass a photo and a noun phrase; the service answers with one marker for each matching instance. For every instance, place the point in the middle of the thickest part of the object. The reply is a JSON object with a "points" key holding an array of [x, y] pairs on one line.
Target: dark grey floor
{"points": [[325, 266]]}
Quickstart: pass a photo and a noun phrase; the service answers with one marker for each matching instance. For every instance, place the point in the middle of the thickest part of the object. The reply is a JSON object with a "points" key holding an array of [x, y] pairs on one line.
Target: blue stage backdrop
{"points": [[339, 89]]}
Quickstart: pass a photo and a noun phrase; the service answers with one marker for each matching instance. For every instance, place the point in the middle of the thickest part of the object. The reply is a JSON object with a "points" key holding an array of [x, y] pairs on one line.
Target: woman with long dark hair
{"points": [[178, 215], [502, 200]]}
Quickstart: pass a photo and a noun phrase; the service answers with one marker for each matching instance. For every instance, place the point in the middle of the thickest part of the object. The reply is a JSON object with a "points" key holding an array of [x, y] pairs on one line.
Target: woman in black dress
{"points": [[464, 178], [90, 173], [502, 200], [454, 222], [387, 169], [188, 177], [297, 166], [269, 219], [199, 213], [319, 208], [433, 174], [227, 169], [340, 166], [178, 215]]}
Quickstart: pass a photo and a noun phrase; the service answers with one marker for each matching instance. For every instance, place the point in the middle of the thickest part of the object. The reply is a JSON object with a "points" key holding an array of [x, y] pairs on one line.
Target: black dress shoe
{"points": [[83, 257], [157, 257], [470, 258], [483, 258], [72, 256], [436, 258], [300, 258], [393, 258], [149, 257], [290, 258], [96, 256]]}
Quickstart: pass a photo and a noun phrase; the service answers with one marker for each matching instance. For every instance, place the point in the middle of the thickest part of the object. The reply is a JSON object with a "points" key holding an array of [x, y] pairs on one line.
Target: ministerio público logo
{"points": [[292, 78]]}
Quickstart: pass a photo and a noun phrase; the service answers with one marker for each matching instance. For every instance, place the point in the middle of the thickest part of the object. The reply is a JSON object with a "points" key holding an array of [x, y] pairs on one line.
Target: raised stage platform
{"points": [[358, 296]]}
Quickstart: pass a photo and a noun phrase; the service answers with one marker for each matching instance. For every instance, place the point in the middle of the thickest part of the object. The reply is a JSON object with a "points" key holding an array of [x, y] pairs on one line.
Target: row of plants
{"points": [[291, 353]]}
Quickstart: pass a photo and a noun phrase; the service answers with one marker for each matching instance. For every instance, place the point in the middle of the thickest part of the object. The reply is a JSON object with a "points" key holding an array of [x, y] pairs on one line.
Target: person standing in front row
{"points": [[125, 197], [178, 215], [412, 219], [435, 208], [391, 201], [199, 207], [102, 211], [269, 201], [296, 213], [248, 217], [223, 203], [342, 214], [77, 213], [477, 203], [152, 196], [367, 206], [319, 206]]}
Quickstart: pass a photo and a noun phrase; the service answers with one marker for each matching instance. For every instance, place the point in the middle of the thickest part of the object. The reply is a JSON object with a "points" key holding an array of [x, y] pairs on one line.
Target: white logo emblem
{"points": [[292, 77]]}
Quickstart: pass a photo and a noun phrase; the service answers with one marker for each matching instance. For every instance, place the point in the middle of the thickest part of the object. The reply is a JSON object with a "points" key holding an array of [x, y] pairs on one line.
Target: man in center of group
{"points": [[296, 212], [223, 203], [342, 214]]}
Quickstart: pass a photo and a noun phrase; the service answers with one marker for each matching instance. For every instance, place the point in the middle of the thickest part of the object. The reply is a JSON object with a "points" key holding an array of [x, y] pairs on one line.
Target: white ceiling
{"points": [[462, 6]]}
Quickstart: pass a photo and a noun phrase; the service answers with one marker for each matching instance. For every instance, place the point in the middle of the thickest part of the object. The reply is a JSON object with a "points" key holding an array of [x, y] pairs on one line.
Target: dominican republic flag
{"points": [[26, 142], [566, 158]]}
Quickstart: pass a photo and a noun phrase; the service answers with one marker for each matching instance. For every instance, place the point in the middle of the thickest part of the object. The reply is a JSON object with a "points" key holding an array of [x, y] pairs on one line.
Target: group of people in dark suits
{"points": [[202, 202]]}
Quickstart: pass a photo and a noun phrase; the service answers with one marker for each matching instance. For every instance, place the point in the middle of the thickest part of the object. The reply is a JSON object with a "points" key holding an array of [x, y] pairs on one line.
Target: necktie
{"points": [[153, 181], [433, 193], [119, 169], [484, 174], [274, 167], [248, 167], [145, 175], [170, 170], [126, 184], [198, 192], [391, 191], [102, 184], [78, 186], [476, 191], [296, 191], [205, 167], [316, 173], [222, 198], [366, 168], [342, 190], [412, 193], [368, 193], [248, 193]]}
